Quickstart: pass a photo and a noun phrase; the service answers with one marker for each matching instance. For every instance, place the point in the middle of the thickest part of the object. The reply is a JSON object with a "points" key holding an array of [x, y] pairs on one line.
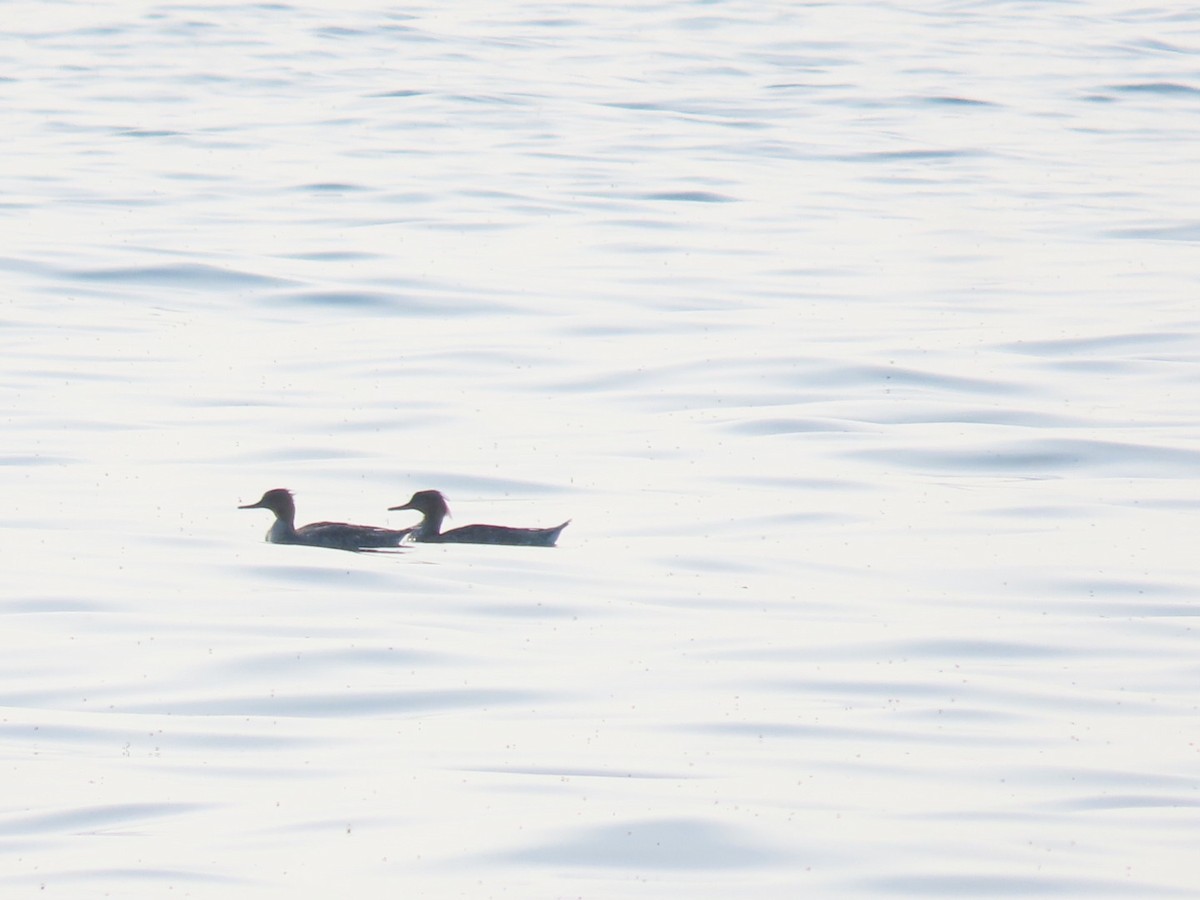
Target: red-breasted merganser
{"points": [[337, 535], [432, 505]]}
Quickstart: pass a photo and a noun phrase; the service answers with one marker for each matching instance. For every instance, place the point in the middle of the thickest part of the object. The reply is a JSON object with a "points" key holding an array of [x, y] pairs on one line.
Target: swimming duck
{"points": [[432, 505], [337, 535]]}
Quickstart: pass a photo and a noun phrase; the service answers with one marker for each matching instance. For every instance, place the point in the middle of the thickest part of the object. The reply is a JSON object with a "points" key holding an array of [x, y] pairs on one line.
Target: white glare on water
{"points": [[859, 344]]}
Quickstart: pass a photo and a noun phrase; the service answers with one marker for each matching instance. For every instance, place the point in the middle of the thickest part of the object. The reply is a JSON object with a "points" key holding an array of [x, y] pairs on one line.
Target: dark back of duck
{"points": [[501, 534]]}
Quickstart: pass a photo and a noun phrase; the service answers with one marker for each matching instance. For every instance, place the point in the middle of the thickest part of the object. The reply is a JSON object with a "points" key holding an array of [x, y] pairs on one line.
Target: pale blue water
{"points": [[860, 343]]}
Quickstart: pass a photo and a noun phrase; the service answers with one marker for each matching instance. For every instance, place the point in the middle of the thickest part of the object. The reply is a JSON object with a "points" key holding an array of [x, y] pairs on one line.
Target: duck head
{"points": [[278, 500], [429, 503]]}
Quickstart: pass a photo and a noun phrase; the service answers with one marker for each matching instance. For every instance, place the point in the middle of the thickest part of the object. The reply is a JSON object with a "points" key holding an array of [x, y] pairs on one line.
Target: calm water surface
{"points": [[860, 343]]}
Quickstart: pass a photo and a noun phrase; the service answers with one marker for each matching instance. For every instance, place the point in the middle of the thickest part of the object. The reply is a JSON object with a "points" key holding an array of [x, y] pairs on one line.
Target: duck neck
{"points": [[283, 531], [430, 526]]}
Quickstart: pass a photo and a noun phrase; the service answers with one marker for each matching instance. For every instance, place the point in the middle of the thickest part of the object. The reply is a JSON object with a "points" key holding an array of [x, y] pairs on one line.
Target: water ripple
{"points": [[1157, 88], [1104, 344], [1047, 456], [942, 885], [90, 819], [375, 302], [660, 844], [1128, 801], [190, 275], [690, 197], [347, 704]]}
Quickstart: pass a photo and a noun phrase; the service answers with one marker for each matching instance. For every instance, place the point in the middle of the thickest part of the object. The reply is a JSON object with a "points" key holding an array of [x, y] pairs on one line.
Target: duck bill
{"points": [[405, 506], [257, 505]]}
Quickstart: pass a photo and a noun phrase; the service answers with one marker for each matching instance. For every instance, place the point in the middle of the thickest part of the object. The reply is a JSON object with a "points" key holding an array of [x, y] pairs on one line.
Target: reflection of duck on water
{"points": [[432, 506], [337, 535]]}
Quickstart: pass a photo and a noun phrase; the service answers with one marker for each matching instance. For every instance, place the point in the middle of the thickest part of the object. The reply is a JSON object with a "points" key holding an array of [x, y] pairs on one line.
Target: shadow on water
{"points": [[336, 574]]}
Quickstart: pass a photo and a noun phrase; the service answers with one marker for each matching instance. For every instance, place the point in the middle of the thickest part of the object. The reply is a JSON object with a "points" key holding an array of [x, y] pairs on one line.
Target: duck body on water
{"points": [[433, 508], [335, 535]]}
